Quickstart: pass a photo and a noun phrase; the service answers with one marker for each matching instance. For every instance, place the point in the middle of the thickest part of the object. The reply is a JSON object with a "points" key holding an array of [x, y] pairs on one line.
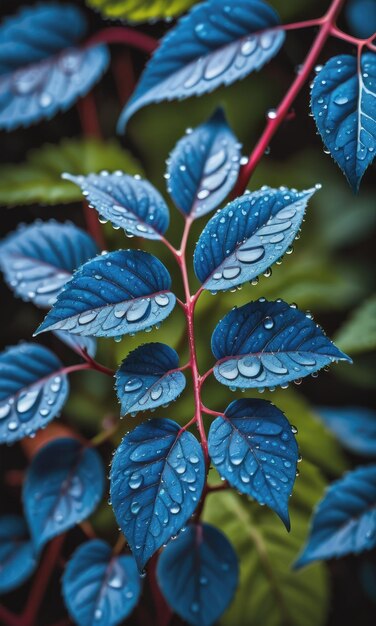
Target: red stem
{"points": [[127, 36], [41, 581], [326, 25]]}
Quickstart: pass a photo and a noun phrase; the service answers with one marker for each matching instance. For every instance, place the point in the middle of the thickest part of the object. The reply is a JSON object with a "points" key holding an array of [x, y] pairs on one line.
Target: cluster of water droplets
{"points": [[271, 232], [260, 459], [32, 407], [127, 202]]}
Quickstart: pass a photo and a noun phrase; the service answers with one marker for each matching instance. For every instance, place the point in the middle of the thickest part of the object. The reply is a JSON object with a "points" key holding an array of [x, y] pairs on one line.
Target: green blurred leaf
{"points": [[358, 334], [38, 179], [270, 593], [136, 11]]}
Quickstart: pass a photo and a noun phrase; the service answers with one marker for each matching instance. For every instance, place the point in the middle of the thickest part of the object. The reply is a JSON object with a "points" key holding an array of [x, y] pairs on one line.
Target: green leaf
{"points": [[270, 593], [38, 179], [358, 334], [136, 11]]}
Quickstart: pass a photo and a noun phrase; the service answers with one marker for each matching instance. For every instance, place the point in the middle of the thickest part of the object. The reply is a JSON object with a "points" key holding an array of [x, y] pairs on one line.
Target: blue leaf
{"points": [[77, 343], [128, 202], [204, 167], [264, 344], [38, 260], [157, 477], [40, 72], [148, 378], [246, 237], [99, 587], [63, 486], [344, 107], [17, 557], [355, 427], [345, 519], [198, 574], [361, 17], [114, 294], [253, 447], [33, 390], [217, 43]]}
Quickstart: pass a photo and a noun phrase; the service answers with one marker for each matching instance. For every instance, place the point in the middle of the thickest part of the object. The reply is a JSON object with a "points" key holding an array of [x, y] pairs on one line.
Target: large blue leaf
{"points": [[157, 477], [33, 390], [63, 486], [253, 447], [264, 344], [40, 72], [99, 587], [38, 260], [354, 426], [198, 574], [345, 520], [148, 378], [246, 237], [203, 167], [126, 201], [17, 559], [344, 107], [217, 43], [114, 294]]}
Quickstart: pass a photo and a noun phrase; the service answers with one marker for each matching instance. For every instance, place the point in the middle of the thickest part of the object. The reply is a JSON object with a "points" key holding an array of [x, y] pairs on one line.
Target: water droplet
{"points": [[86, 317], [294, 429], [271, 114], [133, 384], [136, 481], [175, 509], [268, 323], [27, 400], [138, 310], [135, 508], [162, 299], [340, 100]]}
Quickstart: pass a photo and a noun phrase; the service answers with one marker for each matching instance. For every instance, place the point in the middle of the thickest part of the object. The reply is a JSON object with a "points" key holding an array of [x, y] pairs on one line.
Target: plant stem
{"points": [[326, 25], [189, 313], [125, 36], [41, 581]]}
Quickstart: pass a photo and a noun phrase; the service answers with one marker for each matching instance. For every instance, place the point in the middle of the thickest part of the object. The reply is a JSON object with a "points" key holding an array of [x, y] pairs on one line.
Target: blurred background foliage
{"points": [[330, 273]]}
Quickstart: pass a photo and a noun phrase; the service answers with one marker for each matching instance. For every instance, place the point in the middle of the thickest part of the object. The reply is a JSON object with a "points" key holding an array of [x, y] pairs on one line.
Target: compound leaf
{"points": [[33, 390], [345, 519], [355, 427], [129, 203], [148, 378], [198, 574], [99, 587], [38, 260], [204, 166], [358, 334], [38, 179], [134, 11], [265, 344], [253, 447], [16, 553], [216, 44], [114, 294], [41, 72], [246, 237], [157, 477], [63, 486], [343, 105]]}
